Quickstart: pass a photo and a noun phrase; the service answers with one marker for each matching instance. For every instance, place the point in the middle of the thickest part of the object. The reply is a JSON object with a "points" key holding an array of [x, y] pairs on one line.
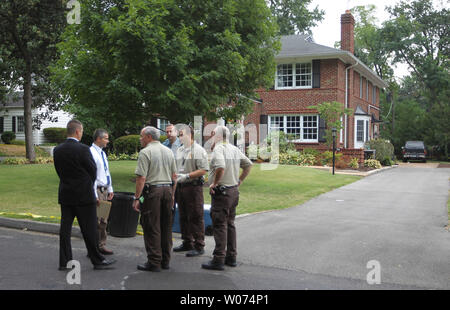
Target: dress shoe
{"points": [[195, 252], [230, 261], [165, 266], [148, 267], [182, 247], [212, 265], [105, 251], [105, 264]]}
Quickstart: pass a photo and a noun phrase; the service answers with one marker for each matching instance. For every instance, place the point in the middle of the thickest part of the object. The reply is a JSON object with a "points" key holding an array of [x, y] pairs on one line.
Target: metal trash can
{"points": [[123, 219]]}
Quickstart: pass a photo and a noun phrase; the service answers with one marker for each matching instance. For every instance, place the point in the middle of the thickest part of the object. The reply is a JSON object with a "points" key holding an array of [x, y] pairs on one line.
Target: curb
{"points": [[48, 228], [381, 170]]}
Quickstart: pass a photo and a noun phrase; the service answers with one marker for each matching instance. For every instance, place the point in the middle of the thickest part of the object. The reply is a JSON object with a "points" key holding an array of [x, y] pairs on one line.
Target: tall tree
{"points": [[369, 44], [418, 34], [294, 16], [176, 58], [29, 31]]}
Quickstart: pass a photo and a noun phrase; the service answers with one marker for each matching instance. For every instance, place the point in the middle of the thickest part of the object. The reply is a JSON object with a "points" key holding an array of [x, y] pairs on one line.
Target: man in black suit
{"points": [[77, 173]]}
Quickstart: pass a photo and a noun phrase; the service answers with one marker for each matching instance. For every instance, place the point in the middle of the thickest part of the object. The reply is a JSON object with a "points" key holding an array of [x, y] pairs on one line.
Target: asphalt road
{"points": [[396, 217]]}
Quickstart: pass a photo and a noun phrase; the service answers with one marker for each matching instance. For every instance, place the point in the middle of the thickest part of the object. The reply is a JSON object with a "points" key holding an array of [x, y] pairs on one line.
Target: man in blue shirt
{"points": [[172, 141]]}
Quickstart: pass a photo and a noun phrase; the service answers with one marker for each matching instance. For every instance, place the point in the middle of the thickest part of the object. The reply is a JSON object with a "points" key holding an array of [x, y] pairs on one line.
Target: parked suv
{"points": [[414, 150]]}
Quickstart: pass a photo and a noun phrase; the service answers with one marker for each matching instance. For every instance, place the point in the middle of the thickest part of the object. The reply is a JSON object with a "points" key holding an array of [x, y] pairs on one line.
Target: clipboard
{"points": [[103, 209]]}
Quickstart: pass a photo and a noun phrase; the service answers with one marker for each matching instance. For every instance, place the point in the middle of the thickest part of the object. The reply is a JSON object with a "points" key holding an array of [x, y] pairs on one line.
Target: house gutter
{"points": [[346, 101]]}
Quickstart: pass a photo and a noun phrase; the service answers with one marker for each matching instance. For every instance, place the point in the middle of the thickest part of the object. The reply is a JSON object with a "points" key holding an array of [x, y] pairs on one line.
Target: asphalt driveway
{"points": [[397, 217]]}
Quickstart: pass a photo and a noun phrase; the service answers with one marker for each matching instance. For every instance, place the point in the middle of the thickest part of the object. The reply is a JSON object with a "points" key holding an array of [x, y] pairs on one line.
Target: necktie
{"points": [[106, 169]]}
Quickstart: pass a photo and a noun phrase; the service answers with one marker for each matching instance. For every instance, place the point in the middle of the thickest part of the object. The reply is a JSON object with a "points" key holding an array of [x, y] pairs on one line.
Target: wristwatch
{"points": [[134, 198]]}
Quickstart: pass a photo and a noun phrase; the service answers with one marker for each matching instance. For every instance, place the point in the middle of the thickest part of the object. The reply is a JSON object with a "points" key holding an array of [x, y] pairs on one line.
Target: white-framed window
{"points": [[20, 124], [360, 130], [162, 123], [304, 128], [298, 75]]}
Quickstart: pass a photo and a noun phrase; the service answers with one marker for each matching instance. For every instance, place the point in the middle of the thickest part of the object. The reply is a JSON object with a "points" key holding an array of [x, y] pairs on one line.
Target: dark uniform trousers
{"points": [[156, 221], [190, 205], [223, 213], [87, 219]]}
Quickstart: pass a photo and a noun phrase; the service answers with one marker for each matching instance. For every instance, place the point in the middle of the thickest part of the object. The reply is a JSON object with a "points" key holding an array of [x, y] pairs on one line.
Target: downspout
{"points": [[346, 102]]}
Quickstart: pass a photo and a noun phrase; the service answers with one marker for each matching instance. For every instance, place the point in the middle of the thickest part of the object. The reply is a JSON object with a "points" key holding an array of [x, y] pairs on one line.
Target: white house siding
{"points": [[38, 135], [63, 119]]}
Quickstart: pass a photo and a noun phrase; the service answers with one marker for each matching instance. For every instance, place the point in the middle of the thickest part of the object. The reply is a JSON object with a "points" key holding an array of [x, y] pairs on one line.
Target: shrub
{"points": [[8, 136], [127, 144], [327, 158], [372, 163], [312, 152], [354, 163], [43, 160], [383, 149], [15, 161], [162, 138], [134, 156], [296, 158], [284, 141], [55, 135], [387, 162], [112, 157]]}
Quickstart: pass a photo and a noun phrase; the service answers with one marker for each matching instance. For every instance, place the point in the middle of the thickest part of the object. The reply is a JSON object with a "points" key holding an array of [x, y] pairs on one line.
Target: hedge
{"points": [[127, 144], [55, 135], [8, 136]]}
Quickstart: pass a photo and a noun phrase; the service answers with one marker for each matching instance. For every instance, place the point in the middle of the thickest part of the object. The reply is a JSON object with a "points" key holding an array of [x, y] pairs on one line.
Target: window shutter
{"points": [[322, 127], [316, 73], [154, 121], [263, 119], [13, 124], [1, 125], [367, 131]]}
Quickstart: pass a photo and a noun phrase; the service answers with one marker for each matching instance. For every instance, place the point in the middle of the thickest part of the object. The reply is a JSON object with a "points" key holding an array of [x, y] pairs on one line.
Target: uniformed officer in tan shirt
{"points": [[226, 161], [156, 179], [192, 165]]}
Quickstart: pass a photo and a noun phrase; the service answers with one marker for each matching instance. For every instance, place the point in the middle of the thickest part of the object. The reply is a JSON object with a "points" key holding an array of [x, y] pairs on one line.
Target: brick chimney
{"points": [[348, 32]]}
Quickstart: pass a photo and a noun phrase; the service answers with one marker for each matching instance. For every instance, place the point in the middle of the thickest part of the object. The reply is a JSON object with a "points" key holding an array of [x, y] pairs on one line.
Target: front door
{"points": [[361, 131]]}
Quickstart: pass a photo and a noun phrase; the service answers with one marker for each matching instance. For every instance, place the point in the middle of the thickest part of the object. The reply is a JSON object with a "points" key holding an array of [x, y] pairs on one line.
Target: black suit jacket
{"points": [[77, 173]]}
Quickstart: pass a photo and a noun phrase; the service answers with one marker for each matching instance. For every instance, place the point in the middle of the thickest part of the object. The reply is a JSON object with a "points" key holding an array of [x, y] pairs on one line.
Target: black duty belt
{"points": [[160, 185]]}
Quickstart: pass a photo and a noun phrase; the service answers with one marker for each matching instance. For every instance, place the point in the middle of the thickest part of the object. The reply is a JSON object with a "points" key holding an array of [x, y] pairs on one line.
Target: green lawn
{"points": [[33, 188]]}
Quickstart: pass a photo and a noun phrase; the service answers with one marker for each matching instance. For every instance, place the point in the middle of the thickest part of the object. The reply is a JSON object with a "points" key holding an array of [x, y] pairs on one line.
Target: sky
{"points": [[329, 30]]}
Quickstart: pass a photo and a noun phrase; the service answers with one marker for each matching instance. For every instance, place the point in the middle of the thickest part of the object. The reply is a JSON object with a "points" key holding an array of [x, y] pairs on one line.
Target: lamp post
{"points": [[333, 130]]}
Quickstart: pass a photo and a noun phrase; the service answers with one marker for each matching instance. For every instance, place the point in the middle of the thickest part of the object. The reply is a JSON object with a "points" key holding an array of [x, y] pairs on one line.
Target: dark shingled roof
{"points": [[300, 46], [13, 101]]}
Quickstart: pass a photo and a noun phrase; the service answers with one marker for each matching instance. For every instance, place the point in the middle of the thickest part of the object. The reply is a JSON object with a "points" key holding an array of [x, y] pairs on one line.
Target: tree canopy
{"points": [[294, 16], [29, 31], [128, 60]]}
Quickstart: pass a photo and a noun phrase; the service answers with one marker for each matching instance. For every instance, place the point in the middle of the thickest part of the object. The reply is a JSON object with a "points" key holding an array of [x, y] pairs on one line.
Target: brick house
{"points": [[308, 74]]}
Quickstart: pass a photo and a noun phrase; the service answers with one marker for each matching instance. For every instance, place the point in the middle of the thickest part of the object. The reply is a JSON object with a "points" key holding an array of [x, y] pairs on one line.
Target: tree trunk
{"points": [[27, 101]]}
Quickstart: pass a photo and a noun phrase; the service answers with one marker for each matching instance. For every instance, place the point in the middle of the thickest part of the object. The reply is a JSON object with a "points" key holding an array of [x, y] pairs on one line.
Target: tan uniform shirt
{"points": [[229, 157], [156, 163], [192, 158]]}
